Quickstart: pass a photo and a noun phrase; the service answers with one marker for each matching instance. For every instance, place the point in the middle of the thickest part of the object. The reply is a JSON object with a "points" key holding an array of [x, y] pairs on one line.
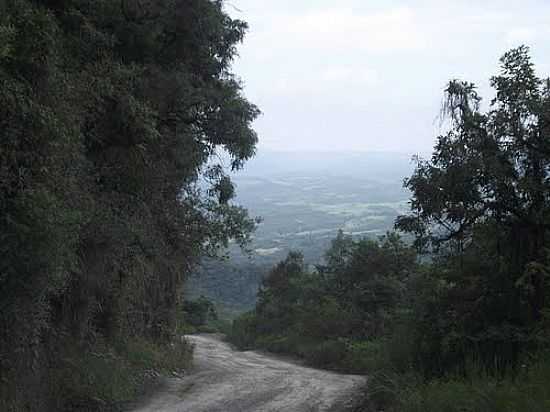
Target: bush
{"points": [[103, 378], [221, 326], [199, 312], [366, 356], [164, 358], [328, 354], [276, 344], [410, 393], [243, 331]]}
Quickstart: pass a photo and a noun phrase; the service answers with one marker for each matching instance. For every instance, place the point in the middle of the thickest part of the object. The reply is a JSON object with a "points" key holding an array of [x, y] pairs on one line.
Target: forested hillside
{"points": [[110, 113], [459, 319]]}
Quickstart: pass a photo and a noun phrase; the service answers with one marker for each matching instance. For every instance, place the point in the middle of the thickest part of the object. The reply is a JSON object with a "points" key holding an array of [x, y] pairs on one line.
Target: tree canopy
{"points": [[114, 116], [482, 203]]}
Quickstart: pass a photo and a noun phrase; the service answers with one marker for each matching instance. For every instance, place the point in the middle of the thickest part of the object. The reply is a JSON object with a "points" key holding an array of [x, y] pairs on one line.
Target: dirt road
{"points": [[225, 380]]}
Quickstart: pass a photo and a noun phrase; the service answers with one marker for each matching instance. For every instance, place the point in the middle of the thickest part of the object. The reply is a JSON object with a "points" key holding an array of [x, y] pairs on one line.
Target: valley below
{"points": [[303, 200]]}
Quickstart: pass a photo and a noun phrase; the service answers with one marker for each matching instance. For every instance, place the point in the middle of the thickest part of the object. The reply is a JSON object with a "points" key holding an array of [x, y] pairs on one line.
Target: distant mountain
{"points": [[378, 165]]}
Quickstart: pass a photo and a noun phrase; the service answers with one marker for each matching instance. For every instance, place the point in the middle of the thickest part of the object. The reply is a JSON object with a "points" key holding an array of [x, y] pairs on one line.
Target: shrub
{"points": [[199, 312], [243, 331], [366, 356], [103, 378], [276, 344], [410, 393], [328, 354]]}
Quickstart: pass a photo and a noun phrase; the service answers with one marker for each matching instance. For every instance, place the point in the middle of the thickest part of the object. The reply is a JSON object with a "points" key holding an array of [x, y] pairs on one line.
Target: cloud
{"points": [[386, 31], [360, 69], [327, 81], [521, 35], [349, 75]]}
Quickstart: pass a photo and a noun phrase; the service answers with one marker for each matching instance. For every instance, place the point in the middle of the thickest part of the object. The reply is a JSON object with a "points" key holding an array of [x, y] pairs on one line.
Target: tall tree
{"points": [[112, 113], [483, 199]]}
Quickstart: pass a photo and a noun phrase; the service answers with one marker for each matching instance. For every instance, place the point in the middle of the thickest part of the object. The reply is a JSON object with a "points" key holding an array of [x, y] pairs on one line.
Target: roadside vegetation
{"points": [[201, 316], [112, 376], [459, 319], [113, 116]]}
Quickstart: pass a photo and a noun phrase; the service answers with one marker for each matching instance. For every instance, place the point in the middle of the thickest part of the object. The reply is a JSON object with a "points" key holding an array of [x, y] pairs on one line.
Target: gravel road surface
{"points": [[225, 380]]}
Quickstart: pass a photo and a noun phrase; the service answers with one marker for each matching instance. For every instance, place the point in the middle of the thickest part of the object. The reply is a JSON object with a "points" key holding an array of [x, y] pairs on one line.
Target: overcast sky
{"points": [[368, 75]]}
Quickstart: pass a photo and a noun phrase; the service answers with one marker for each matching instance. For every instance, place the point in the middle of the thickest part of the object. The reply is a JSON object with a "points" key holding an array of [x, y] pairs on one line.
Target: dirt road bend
{"points": [[225, 380]]}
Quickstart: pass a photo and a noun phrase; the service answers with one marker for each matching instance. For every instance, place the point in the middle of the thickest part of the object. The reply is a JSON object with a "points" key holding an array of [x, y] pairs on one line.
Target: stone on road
{"points": [[225, 380]]}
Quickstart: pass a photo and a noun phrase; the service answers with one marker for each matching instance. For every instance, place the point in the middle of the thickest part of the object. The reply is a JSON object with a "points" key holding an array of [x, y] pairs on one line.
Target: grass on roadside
{"points": [[407, 392], [105, 378]]}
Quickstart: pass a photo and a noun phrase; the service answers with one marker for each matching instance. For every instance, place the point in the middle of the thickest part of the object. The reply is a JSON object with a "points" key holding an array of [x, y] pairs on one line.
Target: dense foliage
{"points": [[458, 320], [482, 203], [199, 312], [338, 315], [111, 113]]}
